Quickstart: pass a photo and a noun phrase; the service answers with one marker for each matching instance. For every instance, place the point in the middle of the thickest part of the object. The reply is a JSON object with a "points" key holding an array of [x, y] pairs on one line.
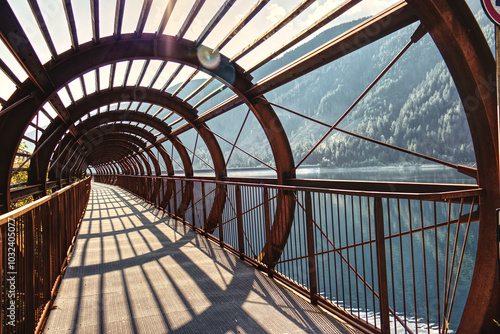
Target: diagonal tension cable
{"points": [[417, 35]]}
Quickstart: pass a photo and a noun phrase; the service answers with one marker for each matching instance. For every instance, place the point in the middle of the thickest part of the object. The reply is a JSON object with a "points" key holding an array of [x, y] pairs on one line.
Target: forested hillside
{"points": [[415, 106]]}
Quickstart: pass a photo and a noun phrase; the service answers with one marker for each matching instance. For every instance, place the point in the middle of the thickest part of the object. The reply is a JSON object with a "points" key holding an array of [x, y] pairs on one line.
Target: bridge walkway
{"points": [[136, 270]]}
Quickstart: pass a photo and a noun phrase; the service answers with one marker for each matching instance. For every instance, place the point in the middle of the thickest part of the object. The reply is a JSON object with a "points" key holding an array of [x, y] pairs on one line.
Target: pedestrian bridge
{"points": [[152, 164]]}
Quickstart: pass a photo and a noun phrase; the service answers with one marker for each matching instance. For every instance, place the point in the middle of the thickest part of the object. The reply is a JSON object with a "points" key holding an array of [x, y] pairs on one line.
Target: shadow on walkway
{"points": [[136, 270]]}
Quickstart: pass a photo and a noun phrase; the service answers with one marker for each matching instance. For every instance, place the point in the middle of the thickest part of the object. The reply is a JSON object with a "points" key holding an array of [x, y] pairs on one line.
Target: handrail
{"points": [[30, 206], [467, 191], [35, 245]]}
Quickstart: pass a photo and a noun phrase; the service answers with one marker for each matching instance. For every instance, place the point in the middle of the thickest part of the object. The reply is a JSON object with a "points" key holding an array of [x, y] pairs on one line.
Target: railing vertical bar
{"points": [[45, 282], [310, 250], [29, 254], [68, 222], [175, 198], [362, 231], [53, 240], [448, 309], [335, 243], [447, 256], [234, 224], [165, 203], [281, 214], [221, 229], [182, 209], [204, 200], [263, 236], [348, 253], [381, 264], [304, 263], [62, 228], [289, 268], [22, 285], [322, 222], [437, 267], [260, 238], [295, 252], [193, 207], [248, 221], [268, 243], [355, 254], [393, 283], [282, 228], [251, 219], [340, 260], [410, 219], [239, 220], [333, 238], [402, 264], [372, 232], [425, 267], [461, 258]]}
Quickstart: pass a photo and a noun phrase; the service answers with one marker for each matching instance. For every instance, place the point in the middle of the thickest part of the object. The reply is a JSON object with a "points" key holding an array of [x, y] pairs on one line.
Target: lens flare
{"points": [[208, 58]]}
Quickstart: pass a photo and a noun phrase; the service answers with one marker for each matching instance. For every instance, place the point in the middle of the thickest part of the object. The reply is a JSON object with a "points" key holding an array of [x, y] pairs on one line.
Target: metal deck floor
{"points": [[136, 270]]}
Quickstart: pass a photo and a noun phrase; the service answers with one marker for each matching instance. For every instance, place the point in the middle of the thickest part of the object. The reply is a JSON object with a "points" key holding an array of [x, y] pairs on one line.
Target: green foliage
{"points": [[23, 201], [20, 177]]}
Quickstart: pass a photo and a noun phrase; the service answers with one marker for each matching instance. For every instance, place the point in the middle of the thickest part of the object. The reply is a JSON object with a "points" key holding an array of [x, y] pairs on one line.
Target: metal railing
{"points": [[385, 262], [34, 245]]}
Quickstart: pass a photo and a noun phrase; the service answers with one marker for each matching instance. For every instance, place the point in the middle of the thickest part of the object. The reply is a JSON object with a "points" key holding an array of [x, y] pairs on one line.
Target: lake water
{"points": [[417, 174]]}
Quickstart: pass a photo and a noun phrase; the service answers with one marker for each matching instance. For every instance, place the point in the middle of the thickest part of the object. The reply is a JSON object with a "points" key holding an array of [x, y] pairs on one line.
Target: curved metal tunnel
{"points": [[121, 141]]}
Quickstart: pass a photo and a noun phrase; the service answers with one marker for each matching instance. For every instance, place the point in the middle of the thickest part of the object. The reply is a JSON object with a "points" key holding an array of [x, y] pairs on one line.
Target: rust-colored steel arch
{"points": [[43, 156], [100, 131], [125, 166], [126, 128], [106, 169], [56, 130], [117, 151], [118, 155], [103, 138], [139, 117], [148, 136], [155, 97], [114, 167], [98, 125], [135, 158], [105, 129], [472, 66], [118, 137], [138, 160], [124, 149]]}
